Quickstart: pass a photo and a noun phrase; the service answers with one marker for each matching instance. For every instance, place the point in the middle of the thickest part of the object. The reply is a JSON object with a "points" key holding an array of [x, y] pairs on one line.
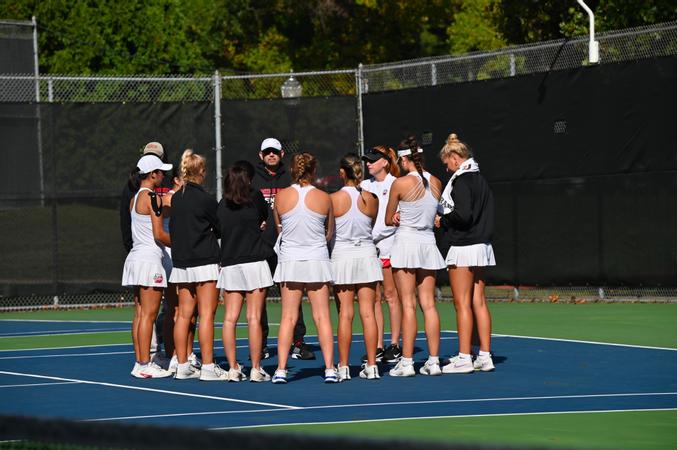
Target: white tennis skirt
{"points": [[476, 255], [144, 273], [199, 274], [245, 277], [309, 271], [355, 264]]}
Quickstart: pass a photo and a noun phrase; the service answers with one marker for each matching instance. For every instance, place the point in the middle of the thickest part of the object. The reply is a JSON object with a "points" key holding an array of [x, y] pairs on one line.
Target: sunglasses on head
{"points": [[268, 151]]}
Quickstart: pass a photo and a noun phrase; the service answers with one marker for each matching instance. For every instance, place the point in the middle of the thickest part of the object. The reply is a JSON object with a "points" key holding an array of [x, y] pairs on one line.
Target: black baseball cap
{"points": [[373, 155]]}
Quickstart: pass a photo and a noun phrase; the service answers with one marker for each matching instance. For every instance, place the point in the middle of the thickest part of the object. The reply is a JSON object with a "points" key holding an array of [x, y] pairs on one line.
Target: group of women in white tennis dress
{"points": [[331, 241]]}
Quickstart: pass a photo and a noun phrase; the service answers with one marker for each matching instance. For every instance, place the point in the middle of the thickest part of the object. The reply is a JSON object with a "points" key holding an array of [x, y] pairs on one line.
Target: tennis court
{"points": [[50, 368]]}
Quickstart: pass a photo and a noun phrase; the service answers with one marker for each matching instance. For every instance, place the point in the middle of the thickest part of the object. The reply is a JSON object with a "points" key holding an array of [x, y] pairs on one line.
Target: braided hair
{"points": [[415, 156], [303, 168]]}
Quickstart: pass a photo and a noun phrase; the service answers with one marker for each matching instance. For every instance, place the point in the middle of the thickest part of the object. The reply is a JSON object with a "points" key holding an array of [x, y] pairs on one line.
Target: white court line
{"points": [[578, 341], [53, 355], [37, 384], [72, 355], [419, 402], [138, 388], [66, 321], [459, 416], [129, 322], [61, 333]]}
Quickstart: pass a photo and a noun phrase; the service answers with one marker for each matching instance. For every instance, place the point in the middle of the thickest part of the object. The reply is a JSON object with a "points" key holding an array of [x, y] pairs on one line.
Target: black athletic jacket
{"points": [[194, 227], [269, 185], [241, 236], [472, 220]]}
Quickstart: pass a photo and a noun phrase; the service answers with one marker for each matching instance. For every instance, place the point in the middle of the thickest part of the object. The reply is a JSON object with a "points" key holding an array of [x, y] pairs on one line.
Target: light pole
{"points": [[291, 91]]}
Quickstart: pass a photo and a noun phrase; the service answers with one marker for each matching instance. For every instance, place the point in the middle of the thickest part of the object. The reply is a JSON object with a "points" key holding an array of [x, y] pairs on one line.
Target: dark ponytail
{"points": [[134, 181], [416, 157]]}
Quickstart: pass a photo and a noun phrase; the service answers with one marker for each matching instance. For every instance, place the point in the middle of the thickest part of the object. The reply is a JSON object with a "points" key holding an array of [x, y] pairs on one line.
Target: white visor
{"points": [[407, 151]]}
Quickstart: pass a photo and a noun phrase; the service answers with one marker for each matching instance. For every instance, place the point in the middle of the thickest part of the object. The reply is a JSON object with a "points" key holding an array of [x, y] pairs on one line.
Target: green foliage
{"points": [[198, 36]]}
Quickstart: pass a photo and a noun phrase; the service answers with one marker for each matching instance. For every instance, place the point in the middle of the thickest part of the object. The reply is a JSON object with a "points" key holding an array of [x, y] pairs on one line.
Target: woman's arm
{"points": [[329, 223], [393, 202]]}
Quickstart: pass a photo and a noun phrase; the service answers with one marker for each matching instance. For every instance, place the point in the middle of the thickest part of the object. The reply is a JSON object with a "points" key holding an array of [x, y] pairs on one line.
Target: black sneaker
{"points": [[265, 353], [379, 355], [392, 354], [301, 351]]}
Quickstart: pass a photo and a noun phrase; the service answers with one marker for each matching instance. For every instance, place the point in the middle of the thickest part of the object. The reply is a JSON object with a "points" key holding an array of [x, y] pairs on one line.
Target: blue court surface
{"points": [[533, 375]]}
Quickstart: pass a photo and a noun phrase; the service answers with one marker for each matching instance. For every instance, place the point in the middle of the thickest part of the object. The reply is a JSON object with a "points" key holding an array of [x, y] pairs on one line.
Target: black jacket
{"points": [[194, 227], [241, 236], [472, 220], [269, 185]]}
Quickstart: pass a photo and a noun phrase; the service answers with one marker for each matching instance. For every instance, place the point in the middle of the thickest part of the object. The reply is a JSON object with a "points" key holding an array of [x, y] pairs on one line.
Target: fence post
{"points": [[433, 74], [512, 65], [50, 89], [217, 134], [360, 119], [36, 68]]}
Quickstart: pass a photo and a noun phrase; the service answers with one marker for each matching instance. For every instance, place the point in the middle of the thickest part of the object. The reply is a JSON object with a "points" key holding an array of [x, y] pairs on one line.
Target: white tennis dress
{"points": [[302, 251], [414, 246], [143, 266], [354, 259], [383, 234]]}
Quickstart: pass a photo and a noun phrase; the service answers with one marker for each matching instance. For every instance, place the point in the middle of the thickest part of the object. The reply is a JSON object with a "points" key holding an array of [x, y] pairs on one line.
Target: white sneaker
{"points": [[173, 364], [194, 360], [258, 375], [343, 373], [185, 373], [458, 365], [331, 375], [370, 372], [235, 374], [135, 370], [280, 376], [484, 364], [402, 370], [430, 368], [152, 370], [215, 373]]}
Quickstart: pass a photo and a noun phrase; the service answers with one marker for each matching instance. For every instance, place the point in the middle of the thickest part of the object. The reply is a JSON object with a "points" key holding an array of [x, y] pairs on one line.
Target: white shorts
{"points": [[208, 272], [355, 264], [476, 255], [245, 277], [309, 271], [144, 273]]}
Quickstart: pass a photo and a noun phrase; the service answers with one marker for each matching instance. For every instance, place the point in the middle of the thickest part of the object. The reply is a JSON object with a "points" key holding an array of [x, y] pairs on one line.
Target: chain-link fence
{"points": [[46, 143]]}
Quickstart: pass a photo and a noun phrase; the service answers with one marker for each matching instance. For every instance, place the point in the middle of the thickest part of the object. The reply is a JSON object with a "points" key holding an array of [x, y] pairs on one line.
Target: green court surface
{"points": [[641, 324]]}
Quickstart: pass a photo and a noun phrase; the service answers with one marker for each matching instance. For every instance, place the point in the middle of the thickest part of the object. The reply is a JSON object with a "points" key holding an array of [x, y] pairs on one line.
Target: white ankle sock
{"points": [[434, 359], [463, 355], [407, 361], [208, 366], [184, 366], [484, 354]]}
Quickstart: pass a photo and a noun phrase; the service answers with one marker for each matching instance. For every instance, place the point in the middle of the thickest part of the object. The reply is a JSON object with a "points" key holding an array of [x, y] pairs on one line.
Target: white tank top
{"points": [[144, 245], [303, 235], [418, 214], [354, 227]]}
